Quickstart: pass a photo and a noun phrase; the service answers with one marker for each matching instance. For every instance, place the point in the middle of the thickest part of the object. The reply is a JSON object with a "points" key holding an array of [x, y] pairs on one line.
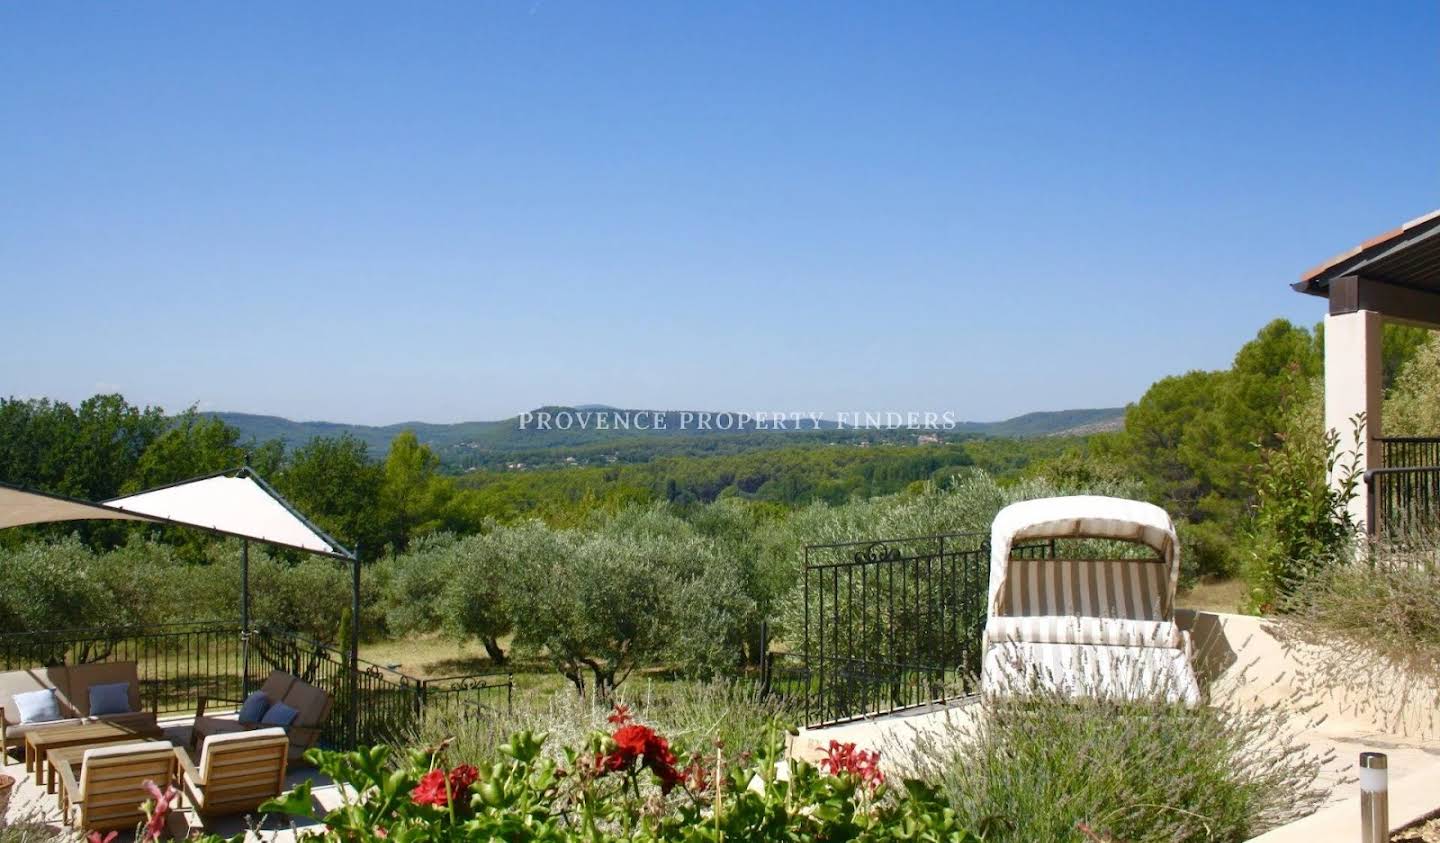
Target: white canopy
{"points": [[236, 503], [1081, 516]]}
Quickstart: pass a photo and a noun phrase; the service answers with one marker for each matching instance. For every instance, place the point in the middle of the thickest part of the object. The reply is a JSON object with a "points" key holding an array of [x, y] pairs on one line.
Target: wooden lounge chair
{"points": [[237, 772], [312, 704], [106, 795]]}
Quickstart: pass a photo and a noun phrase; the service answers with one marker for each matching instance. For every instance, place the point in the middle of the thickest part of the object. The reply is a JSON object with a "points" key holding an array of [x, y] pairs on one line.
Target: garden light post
{"points": [[1374, 797]]}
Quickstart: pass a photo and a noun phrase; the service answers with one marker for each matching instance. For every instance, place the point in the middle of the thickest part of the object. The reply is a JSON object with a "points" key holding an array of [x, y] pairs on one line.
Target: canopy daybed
{"points": [[1086, 627]]}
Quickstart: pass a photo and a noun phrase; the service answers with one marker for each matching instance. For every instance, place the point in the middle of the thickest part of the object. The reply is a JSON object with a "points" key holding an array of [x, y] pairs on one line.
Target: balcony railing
{"points": [[1404, 493]]}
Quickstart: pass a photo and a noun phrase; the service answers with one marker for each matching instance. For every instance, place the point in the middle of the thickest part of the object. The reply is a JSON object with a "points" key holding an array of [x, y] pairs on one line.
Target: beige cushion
{"points": [[310, 701], [100, 753], [1017, 668], [224, 740], [20, 730], [82, 676], [37, 679]]}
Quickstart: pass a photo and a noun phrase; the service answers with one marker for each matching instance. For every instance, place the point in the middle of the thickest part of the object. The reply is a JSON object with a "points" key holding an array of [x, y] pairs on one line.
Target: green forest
{"points": [[611, 567], [106, 447], [519, 441]]}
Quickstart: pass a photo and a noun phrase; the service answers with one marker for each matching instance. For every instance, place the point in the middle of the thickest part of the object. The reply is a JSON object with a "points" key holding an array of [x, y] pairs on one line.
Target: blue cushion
{"points": [[111, 698], [279, 714], [38, 706], [254, 708]]}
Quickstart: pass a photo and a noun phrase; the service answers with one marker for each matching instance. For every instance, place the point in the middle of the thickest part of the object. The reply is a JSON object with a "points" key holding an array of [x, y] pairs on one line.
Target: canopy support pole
{"points": [[355, 647], [244, 618]]}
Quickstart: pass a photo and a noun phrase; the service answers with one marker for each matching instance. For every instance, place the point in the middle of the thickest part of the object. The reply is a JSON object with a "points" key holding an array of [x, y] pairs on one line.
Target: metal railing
{"points": [[1402, 502], [894, 624], [1404, 494], [1409, 451], [177, 664], [785, 677]]}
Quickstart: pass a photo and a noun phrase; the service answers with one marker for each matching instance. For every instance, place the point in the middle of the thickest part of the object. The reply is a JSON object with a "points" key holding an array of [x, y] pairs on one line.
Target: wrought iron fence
{"points": [[1404, 503], [785, 676], [178, 664], [373, 704], [1409, 451], [477, 693], [895, 623]]}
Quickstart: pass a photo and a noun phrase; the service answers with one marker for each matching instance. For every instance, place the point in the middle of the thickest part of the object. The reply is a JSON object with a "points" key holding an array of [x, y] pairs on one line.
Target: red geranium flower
{"points": [[620, 716], [462, 777], [845, 758], [636, 742], [431, 790], [631, 740]]}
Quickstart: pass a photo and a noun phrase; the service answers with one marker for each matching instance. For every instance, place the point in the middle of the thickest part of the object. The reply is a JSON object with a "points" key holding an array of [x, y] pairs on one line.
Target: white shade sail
{"points": [[235, 503]]}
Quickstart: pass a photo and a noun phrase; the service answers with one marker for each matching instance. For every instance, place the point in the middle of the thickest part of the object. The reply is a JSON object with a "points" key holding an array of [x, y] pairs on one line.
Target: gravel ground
{"points": [[1427, 831]]}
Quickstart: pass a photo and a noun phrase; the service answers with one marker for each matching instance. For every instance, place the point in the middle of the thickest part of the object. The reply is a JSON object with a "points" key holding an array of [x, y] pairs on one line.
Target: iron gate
{"points": [[895, 623]]}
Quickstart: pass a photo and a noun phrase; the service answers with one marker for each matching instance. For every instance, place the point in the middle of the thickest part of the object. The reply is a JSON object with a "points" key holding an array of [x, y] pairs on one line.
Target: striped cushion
{"points": [[1053, 629], [1120, 588]]}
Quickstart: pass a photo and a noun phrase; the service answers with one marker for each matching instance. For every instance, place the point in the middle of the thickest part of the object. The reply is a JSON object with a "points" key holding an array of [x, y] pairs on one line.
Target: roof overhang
{"points": [[1396, 274]]}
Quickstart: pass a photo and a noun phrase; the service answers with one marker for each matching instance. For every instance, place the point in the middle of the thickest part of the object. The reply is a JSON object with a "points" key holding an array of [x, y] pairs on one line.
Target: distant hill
{"points": [[593, 433]]}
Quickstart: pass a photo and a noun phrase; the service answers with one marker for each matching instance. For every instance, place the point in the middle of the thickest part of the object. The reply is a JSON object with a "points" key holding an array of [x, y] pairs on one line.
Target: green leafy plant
{"points": [[626, 783], [1300, 522]]}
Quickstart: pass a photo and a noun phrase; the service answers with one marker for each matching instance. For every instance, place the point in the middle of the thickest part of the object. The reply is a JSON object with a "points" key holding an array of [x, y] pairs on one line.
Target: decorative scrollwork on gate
{"points": [[876, 552]]}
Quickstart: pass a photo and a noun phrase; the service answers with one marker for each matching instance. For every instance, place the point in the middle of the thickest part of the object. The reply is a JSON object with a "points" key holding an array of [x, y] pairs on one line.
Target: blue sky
{"points": [[375, 213]]}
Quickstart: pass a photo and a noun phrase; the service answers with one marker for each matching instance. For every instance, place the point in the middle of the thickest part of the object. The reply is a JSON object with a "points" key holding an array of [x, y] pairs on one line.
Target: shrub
{"points": [[1367, 632], [1388, 601], [63, 584], [1300, 523], [1036, 769]]}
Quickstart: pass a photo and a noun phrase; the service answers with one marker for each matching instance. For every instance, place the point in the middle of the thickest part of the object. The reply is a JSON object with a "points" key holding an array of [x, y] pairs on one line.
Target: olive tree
{"points": [[640, 588]]}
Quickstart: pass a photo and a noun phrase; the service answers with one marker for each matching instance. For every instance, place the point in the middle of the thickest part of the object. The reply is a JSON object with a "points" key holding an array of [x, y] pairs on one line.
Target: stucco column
{"points": [[1353, 385]]}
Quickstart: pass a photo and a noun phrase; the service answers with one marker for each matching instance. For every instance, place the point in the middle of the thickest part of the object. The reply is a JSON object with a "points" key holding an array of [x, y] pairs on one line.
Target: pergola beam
{"points": [[1352, 293]]}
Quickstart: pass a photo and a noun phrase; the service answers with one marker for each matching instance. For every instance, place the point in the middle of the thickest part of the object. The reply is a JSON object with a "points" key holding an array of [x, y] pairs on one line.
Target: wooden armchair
{"points": [[106, 795], [237, 772]]}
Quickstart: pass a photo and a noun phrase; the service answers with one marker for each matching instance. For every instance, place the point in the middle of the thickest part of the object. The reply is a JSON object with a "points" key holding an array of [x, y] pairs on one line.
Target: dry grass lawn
{"points": [[1211, 595]]}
